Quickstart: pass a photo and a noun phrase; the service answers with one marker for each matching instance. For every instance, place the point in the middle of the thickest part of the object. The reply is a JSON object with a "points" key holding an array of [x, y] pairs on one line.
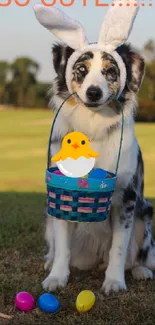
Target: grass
{"points": [[23, 148], [145, 134]]}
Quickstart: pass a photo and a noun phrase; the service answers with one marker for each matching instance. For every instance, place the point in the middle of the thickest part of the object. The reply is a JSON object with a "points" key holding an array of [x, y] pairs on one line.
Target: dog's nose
{"points": [[94, 93]]}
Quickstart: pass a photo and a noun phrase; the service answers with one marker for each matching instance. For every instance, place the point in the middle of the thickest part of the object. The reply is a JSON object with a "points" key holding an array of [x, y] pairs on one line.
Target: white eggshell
{"points": [[76, 168]]}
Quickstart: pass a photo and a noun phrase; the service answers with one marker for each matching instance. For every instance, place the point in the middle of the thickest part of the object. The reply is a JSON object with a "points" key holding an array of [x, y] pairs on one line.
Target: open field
{"points": [[23, 148]]}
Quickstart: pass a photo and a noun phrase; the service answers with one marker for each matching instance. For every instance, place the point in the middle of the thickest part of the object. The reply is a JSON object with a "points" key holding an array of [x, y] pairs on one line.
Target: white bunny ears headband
{"points": [[115, 30]]}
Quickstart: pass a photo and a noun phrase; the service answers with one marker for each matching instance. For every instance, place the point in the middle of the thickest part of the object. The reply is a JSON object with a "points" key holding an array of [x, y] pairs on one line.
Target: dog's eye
{"points": [[69, 141], [82, 68], [111, 71], [111, 74], [83, 142]]}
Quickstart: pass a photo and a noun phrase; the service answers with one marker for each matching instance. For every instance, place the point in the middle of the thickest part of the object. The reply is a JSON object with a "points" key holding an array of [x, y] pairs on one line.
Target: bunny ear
{"points": [[66, 29], [118, 23]]}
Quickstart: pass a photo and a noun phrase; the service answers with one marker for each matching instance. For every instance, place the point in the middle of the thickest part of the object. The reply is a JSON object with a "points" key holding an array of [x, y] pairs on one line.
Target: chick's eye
{"points": [[83, 142], [69, 141]]}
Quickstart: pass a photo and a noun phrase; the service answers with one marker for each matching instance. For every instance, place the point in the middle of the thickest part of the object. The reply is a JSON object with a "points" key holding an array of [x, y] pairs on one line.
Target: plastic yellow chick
{"points": [[75, 145]]}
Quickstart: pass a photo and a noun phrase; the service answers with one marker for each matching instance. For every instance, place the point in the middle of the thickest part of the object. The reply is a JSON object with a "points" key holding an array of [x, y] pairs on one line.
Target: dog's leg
{"points": [[145, 262], [122, 228], [49, 237], [59, 274]]}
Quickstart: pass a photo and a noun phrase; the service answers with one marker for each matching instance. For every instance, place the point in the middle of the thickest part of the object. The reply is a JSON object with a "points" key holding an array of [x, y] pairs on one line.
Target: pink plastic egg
{"points": [[24, 301], [58, 172]]}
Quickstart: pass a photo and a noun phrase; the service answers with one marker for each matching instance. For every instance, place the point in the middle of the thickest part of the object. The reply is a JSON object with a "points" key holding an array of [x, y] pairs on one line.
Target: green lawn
{"points": [[146, 136], [23, 148]]}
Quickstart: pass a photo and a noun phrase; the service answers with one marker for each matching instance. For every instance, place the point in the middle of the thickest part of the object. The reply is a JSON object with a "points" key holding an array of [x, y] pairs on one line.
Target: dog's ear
{"points": [[135, 67], [137, 72], [61, 54]]}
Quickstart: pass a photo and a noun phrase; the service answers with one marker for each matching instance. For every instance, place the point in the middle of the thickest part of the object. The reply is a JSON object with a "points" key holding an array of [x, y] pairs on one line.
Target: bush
{"points": [[146, 111]]}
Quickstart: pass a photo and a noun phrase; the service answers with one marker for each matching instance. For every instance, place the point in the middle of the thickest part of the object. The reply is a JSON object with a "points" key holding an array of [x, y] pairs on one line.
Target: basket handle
{"points": [[121, 138], [52, 128]]}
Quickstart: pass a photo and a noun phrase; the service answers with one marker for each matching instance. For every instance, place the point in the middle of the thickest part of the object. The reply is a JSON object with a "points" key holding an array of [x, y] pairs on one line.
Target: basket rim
{"points": [[80, 184]]}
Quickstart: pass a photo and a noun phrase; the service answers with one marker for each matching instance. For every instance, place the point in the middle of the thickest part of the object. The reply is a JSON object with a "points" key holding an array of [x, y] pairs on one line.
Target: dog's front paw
{"points": [[142, 273], [51, 283], [113, 285]]}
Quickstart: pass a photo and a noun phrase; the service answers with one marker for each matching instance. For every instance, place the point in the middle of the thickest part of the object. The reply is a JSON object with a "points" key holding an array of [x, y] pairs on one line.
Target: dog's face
{"points": [[96, 76]]}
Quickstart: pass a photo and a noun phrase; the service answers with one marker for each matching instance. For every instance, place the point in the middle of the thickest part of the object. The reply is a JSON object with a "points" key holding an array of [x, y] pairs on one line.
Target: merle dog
{"points": [[124, 241]]}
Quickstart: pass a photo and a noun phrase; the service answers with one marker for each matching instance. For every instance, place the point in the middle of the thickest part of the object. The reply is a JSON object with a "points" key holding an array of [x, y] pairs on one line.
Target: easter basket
{"points": [[79, 199]]}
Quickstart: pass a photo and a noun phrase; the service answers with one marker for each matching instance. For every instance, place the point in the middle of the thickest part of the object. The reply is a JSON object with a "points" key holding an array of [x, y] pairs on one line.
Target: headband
{"points": [[115, 30]]}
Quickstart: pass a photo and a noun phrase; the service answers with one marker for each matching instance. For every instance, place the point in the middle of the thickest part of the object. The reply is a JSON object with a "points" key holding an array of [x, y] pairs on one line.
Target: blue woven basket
{"points": [[79, 199]]}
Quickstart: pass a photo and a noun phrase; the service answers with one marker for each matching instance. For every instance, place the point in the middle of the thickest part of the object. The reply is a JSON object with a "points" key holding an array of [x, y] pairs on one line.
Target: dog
{"points": [[124, 241]]}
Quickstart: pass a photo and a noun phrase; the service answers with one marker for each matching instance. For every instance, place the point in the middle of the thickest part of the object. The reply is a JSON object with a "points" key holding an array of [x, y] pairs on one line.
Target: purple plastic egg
{"points": [[58, 172], [24, 301]]}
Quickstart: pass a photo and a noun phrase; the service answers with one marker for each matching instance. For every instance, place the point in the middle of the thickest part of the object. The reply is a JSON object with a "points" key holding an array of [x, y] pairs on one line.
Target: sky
{"points": [[22, 35]]}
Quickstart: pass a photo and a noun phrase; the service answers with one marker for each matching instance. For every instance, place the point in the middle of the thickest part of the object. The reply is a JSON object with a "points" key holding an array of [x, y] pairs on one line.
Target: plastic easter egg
{"points": [[98, 173], [85, 301], [58, 172], [48, 303], [24, 301], [85, 176]]}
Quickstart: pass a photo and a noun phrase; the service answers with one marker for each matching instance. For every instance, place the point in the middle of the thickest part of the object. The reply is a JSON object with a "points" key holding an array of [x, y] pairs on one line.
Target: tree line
{"points": [[146, 95], [19, 86]]}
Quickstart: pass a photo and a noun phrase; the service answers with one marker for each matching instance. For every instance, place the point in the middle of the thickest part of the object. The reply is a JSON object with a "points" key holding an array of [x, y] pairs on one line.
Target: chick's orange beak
{"points": [[75, 145]]}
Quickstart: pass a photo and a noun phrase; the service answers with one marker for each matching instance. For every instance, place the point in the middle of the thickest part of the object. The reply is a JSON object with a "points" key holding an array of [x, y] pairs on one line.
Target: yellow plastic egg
{"points": [[85, 300], [85, 176]]}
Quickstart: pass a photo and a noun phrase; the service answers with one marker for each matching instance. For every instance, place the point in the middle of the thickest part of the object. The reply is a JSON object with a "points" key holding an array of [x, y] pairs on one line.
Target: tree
{"points": [[150, 79], [149, 51], [19, 86], [4, 71], [148, 85], [24, 73]]}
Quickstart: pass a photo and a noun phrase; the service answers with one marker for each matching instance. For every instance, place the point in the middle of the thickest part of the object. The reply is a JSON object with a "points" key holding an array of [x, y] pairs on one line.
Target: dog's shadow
{"points": [[21, 221], [22, 218]]}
